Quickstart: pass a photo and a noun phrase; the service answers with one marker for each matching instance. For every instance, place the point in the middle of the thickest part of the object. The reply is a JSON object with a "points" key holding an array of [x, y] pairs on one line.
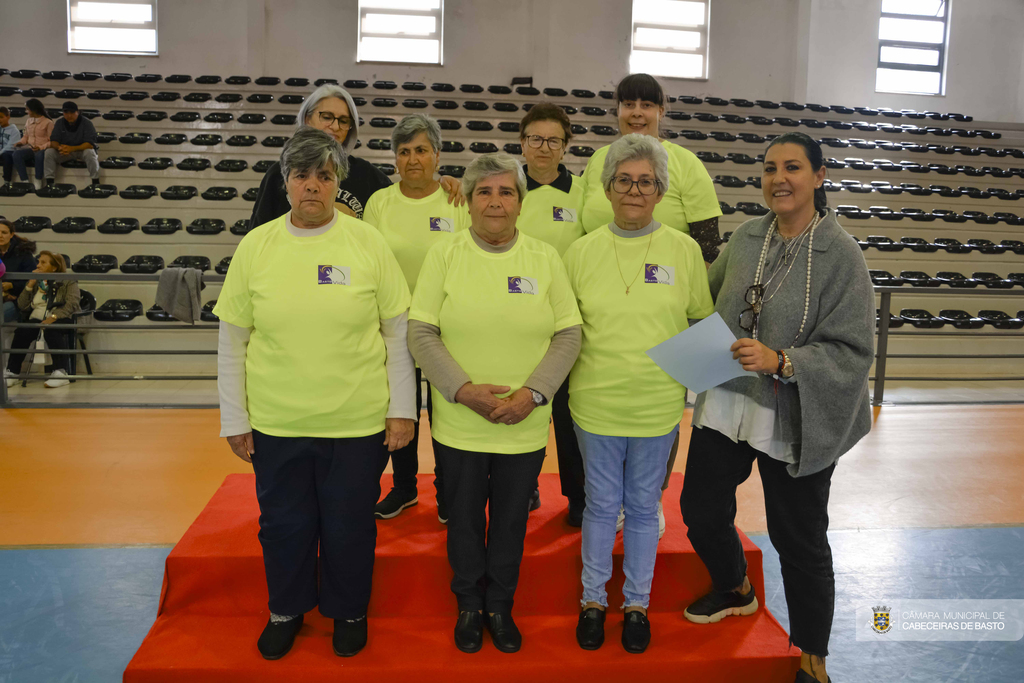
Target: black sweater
{"points": [[18, 259]]}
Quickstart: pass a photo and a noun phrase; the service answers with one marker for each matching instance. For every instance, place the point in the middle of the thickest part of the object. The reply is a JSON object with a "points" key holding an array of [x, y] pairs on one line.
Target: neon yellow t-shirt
{"points": [[615, 389], [553, 216], [497, 314], [690, 198], [412, 226], [315, 362]]}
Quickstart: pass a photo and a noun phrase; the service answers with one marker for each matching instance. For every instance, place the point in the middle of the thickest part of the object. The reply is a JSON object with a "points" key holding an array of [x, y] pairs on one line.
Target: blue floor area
{"points": [[78, 615]]}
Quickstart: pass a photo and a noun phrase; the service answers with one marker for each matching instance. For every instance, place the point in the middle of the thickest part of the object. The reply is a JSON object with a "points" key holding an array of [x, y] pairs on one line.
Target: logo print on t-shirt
{"points": [[333, 275], [522, 285], [659, 275], [441, 225], [563, 215]]}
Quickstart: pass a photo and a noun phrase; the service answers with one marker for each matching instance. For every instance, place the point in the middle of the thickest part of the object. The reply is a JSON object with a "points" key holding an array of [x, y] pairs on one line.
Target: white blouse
{"points": [[742, 419]]}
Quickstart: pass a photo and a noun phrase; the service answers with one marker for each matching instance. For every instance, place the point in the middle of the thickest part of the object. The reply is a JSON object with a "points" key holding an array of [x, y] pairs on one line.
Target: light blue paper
{"points": [[699, 357]]}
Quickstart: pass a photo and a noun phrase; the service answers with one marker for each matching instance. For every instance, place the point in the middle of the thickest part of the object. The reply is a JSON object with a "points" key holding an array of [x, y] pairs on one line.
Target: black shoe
{"points": [[469, 631], [716, 605], [636, 632], [394, 503], [535, 500], [504, 632], [442, 510], [277, 638], [349, 636], [590, 629], [575, 516], [50, 181], [804, 677]]}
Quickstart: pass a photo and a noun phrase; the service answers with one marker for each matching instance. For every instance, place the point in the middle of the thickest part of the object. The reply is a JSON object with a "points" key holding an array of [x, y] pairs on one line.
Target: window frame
{"points": [[704, 50], [437, 35], [146, 25], [942, 48]]}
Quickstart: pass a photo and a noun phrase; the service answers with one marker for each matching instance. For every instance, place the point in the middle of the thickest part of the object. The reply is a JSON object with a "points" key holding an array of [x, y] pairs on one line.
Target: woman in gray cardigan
{"points": [[795, 290]]}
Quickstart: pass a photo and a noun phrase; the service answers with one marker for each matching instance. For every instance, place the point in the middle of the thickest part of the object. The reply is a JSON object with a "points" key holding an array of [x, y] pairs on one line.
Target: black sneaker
{"points": [[442, 510], [590, 629], [277, 637], [636, 632], [394, 503], [716, 605], [535, 500], [349, 636], [575, 516]]}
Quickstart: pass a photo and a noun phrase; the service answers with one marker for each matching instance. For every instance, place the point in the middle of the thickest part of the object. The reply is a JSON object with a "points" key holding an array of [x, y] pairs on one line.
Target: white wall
{"points": [[804, 50]]}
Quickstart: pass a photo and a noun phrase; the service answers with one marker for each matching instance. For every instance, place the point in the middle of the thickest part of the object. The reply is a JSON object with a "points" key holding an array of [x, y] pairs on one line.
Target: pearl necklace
{"points": [[762, 262]]}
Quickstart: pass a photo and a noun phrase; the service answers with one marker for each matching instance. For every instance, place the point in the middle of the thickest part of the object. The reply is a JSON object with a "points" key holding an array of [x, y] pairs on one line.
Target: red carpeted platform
{"points": [[214, 605]]}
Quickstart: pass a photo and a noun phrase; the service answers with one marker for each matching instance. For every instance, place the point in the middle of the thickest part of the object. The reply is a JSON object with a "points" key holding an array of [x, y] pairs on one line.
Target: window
{"points": [[912, 40], [670, 38], [406, 31], [125, 27]]}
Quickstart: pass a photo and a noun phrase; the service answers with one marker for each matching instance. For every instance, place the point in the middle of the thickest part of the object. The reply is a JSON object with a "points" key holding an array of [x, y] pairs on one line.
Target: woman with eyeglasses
{"points": [[637, 282], [331, 109], [551, 213], [794, 288]]}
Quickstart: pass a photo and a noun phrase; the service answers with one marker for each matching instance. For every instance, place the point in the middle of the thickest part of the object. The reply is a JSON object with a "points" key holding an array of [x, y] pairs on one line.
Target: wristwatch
{"points": [[538, 398], [785, 369]]}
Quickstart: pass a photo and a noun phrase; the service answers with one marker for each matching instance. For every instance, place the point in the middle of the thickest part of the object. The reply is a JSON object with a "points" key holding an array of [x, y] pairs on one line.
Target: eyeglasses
{"points": [[329, 119], [644, 186], [537, 141], [749, 316]]}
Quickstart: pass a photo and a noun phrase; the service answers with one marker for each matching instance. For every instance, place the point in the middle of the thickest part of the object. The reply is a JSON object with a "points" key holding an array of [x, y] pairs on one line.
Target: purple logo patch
{"points": [[519, 284]]}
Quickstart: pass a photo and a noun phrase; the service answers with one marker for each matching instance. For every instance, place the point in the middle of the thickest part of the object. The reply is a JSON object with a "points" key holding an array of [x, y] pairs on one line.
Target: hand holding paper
{"points": [[699, 357]]}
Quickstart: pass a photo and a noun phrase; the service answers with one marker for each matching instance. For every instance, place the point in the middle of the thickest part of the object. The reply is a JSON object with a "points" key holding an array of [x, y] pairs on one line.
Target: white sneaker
{"points": [[57, 380], [10, 377], [661, 521], [621, 520], [37, 183]]}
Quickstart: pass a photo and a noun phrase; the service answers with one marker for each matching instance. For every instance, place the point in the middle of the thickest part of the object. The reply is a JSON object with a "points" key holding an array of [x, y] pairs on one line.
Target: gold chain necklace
{"points": [[619, 267]]}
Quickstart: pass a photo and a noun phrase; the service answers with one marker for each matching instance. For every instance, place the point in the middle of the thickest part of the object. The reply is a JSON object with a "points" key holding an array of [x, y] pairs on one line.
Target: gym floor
{"points": [[928, 505]]}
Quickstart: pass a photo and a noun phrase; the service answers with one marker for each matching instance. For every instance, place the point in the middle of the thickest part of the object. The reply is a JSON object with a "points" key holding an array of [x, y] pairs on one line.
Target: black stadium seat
{"points": [[452, 170], [237, 80], [56, 191], [262, 166], [414, 103], [172, 139], [273, 141], [161, 226], [443, 104], [231, 165], [56, 75], [918, 317], [222, 267], [259, 98], [95, 263], [118, 226], [471, 88], [32, 224], [473, 105], [442, 87], [291, 99], [118, 310], [218, 117], [961, 320], [152, 116], [86, 76], [138, 192], [206, 139], [251, 194], [219, 194], [480, 126], [74, 225], [65, 94], [883, 278], [179, 192], [992, 280], [414, 86], [206, 226], [252, 119], [206, 315], [97, 191], [159, 315], [185, 116], [1001, 320], [197, 97], [156, 163], [197, 262], [240, 227], [448, 124], [193, 164], [385, 85], [954, 279], [135, 138], [513, 148], [527, 90], [242, 141]]}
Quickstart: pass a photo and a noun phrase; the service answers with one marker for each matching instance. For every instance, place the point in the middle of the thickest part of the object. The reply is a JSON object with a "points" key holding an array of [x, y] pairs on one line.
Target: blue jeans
{"points": [[10, 312], [625, 472], [17, 158]]}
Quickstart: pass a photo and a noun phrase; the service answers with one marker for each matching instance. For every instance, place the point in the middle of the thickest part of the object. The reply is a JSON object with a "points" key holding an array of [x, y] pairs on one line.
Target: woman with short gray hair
{"points": [[414, 215], [329, 108], [495, 327], [637, 283], [316, 387]]}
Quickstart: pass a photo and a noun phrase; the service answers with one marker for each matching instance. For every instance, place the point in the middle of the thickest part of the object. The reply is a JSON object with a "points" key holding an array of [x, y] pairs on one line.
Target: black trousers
{"points": [[570, 460], [405, 461], [797, 513], [55, 339], [318, 494], [484, 556]]}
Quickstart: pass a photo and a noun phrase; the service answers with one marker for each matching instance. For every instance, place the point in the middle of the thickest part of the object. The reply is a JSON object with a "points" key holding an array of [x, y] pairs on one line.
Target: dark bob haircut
{"points": [[814, 155], [642, 87]]}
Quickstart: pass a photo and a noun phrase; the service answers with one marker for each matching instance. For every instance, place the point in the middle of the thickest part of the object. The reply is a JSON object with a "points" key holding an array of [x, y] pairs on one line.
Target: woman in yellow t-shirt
{"points": [[690, 203], [316, 386], [495, 327], [414, 215], [637, 283]]}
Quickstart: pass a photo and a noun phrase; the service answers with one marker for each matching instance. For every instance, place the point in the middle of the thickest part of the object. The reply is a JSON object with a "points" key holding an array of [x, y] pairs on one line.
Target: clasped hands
{"points": [[483, 400]]}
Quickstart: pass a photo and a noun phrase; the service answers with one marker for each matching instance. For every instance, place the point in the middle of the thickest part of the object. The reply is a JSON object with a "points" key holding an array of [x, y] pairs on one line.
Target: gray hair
{"points": [[322, 93], [487, 165], [411, 126], [311, 150], [636, 147]]}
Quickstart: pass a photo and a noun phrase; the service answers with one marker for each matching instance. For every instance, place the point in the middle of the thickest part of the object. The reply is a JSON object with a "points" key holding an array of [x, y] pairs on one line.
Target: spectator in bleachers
{"points": [[794, 289], [32, 145], [73, 137], [17, 253], [495, 327], [45, 302], [9, 136], [414, 215], [316, 387], [637, 281], [331, 109]]}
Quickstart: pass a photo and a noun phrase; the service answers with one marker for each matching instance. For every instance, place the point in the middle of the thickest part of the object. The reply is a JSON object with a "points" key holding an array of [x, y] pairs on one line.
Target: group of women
{"points": [[536, 302]]}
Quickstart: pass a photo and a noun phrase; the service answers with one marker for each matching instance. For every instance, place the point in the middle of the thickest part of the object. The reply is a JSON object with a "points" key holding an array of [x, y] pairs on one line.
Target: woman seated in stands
{"points": [[316, 388], [32, 145], [17, 253], [414, 215], [638, 282], [331, 109], [45, 302], [495, 327], [794, 289]]}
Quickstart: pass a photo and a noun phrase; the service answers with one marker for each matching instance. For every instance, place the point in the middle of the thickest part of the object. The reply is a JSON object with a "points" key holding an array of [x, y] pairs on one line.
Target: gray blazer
{"points": [[826, 410]]}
